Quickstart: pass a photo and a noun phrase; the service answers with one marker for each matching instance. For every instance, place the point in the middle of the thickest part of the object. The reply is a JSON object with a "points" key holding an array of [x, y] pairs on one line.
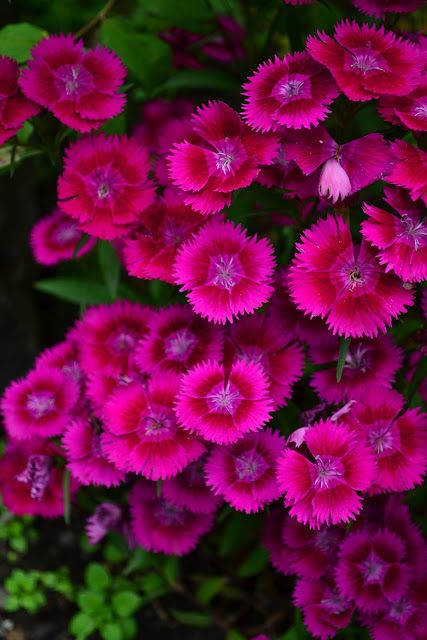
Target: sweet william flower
{"points": [[55, 238], [409, 111], [409, 169], [380, 8], [15, 108], [189, 489], [105, 518]]}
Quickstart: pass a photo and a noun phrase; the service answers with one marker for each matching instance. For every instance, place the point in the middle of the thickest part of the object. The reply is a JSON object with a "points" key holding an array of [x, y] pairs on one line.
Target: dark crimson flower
{"points": [[409, 169], [409, 111], [15, 108], [380, 8]]}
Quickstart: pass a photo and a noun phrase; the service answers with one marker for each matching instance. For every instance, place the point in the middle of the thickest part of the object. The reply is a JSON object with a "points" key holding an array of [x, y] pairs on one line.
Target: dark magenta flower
{"points": [[15, 108]]}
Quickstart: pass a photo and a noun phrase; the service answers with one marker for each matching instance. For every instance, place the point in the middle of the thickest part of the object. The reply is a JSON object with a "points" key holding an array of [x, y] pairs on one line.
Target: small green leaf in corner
{"points": [[344, 345]]}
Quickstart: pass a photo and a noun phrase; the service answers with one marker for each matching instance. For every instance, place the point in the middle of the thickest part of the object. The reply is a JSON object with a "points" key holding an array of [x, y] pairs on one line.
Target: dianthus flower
{"points": [[380, 8], [397, 439], [101, 385], [177, 340], [409, 169], [343, 169], [220, 404], [151, 251], [15, 108], [367, 61], [79, 87], [344, 284], [368, 362], [108, 336], [142, 434], [245, 473], [105, 518], [55, 238], [228, 45], [225, 271], [400, 237], [174, 131], [409, 111], [189, 489], [162, 527], [155, 116], [39, 405], [294, 91], [323, 490], [222, 154], [105, 184], [372, 569]]}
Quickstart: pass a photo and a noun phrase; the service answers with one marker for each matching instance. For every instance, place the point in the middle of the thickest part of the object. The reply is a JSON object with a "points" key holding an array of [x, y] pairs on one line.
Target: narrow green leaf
{"points": [[191, 618], [80, 244], [344, 345], [109, 266], [199, 80], [66, 491]]}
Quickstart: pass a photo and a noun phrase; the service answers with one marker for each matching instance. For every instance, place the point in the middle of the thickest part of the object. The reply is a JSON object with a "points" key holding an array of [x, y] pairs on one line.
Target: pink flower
{"points": [[39, 405], [372, 569], [323, 490], [397, 439], [100, 386], [228, 44], [79, 87], [142, 434], [294, 91], [220, 156], [380, 8], [177, 340], [174, 131], [409, 169], [151, 251], [108, 336], [245, 473], [367, 61], [221, 405], [405, 619], [15, 109], [408, 111], [105, 184], [55, 237], [344, 284], [85, 457], [369, 362], [105, 518], [161, 527], [156, 114], [401, 238], [225, 271], [189, 489], [63, 356]]}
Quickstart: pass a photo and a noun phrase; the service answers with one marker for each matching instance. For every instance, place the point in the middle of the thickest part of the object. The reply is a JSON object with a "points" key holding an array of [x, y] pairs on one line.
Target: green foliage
{"points": [[110, 267], [17, 40], [344, 345], [16, 535], [27, 589], [81, 290]]}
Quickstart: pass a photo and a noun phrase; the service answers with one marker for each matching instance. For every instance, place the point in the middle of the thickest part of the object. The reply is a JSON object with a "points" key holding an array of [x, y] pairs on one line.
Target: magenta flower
{"points": [[380, 8], [189, 489], [367, 61], [372, 569], [155, 116], [15, 108], [222, 154], [400, 237], [409, 169], [405, 619], [39, 405], [245, 473], [225, 271], [409, 111], [343, 169], [220, 404], [161, 527], [105, 518], [79, 87], [63, 356], [344, 284], [142, 434], [105, 184], [151, 251], [55, 237], [323, 489], [294, 91], [228, 44], [174, 131], [100, 386], [177, 340]]}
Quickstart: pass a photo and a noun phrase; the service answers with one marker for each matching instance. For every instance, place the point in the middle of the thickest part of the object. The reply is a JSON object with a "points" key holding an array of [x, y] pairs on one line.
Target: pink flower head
{"points": [[409, 169], [31, 483], [15, 109], [343, 169], [245, 473], [228, 45], [177, 340], [221, 405], [368, 362], [151, 251], [260, 339], [39, 405], [409, 111], [142, 434], [100, 386], [55, 237], [323, 489], [225, 271], [189, 489], [397, 438], [324, 610], [367, 61], [222, 154], [344, 284], [85, 456], [162, 527], [79, 87], [380, 8], [108, 336], [63, 356], [294, 91], [401, 238], [174, 131], [372, 569], [405, 619], [156, 114], [105, 518], [105, 184]]}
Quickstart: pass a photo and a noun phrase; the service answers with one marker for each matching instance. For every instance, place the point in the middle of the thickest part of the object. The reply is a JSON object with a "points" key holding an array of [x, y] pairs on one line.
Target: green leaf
{"points": [[171, 569], [191, 618], [209, 588], [91, 602], [254, 563], [199, 80], [129, 628], [344, 345], [97, 577], [115, 125], [140, 559], [66, 492], [81, 291], [159, 15], [125, 603], [110, 266], [81, 626], [232, 634], [17, 40], [111, 631]]}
